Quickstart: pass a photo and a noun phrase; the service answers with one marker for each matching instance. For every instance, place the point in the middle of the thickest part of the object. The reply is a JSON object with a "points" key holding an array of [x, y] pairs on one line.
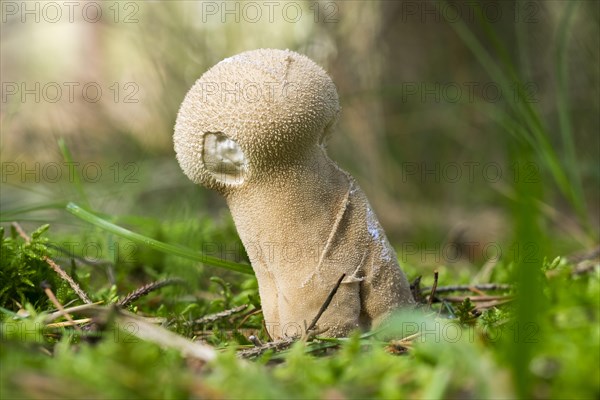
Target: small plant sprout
{"points": [[254, 128]]}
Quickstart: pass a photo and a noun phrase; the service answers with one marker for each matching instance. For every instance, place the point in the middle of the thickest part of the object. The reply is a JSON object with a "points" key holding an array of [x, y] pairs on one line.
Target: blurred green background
{"points": [[425, 126]]}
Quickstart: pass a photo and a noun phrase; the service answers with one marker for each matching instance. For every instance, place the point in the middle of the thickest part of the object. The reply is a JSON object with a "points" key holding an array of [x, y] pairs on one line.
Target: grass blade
{"points": [[564, 115], [68, 158], [155, 244], [9, 215], [533, 129]]}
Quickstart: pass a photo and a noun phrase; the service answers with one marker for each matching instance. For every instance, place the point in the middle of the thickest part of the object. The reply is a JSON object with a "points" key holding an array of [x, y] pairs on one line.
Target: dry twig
{"points": [[460, 299], [248, 315], [433, 289], [21, 232], [145, 329], [325, 304], [466, 288], [46, 287], [493, 303], [220, 315], [75, 322], [71, 310], [278, 345], [56, 267]]}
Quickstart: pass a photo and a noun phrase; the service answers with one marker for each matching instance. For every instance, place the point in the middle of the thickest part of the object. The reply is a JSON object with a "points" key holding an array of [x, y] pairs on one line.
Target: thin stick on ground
{"points": [[46, 287], [20, 231], [247, 316], [207, 319], [467, 288], [76, 322], [61, 272], [255, 341], [433, 289], [492, 303], [460, 299], [477, 291], [326, 304], [146, 329], [71, 310], [277, 345]]}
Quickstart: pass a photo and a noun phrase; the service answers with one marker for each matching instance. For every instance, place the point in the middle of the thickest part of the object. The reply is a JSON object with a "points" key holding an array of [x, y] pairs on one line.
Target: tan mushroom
{"points": [[253, 127]]}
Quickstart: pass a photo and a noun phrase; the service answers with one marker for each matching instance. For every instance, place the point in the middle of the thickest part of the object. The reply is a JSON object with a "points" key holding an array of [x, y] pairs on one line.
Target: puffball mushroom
{"points": [[253, 128]]}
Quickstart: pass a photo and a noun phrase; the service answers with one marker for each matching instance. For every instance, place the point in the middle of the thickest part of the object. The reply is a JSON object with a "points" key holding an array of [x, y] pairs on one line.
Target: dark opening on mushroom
{"points": [[223, 158]]}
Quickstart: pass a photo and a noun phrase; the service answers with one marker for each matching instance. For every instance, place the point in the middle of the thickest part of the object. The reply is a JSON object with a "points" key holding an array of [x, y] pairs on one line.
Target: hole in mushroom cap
{"points": [[223, 158]]}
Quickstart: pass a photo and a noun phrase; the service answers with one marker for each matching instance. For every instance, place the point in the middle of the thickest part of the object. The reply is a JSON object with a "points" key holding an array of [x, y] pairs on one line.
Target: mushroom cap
{"points": [[251, 113]]}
